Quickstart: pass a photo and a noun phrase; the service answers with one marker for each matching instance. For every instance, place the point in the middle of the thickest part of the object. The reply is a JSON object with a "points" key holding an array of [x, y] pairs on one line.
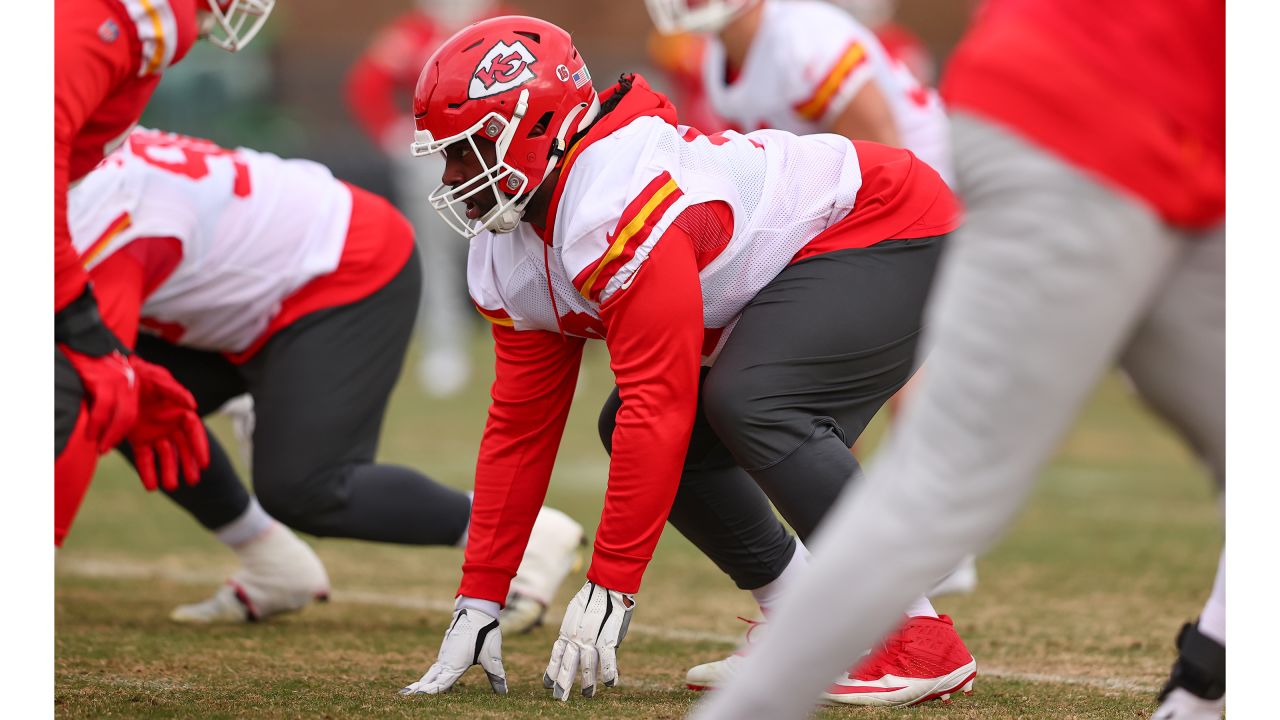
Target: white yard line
{"points": [[122, 569]]}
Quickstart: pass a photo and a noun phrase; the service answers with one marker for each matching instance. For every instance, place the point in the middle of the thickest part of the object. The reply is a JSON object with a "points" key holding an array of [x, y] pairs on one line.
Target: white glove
{"points": [[594, 625], [473, 638]]}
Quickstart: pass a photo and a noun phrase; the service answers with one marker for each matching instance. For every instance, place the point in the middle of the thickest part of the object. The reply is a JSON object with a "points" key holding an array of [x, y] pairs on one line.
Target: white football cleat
{"points": [[961, 581], [554, 550], [1197, 684], [1180, 704], [278, 573], [714, 674]]}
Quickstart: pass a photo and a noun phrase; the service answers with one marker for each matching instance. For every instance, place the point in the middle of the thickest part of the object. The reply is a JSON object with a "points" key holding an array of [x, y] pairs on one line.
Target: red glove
{"points": [[168, 431], [112, 393]]}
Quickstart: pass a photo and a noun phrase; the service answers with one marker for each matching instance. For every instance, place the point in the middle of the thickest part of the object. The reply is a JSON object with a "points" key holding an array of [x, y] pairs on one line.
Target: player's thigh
{"points": [[321, 385], [1177, 356], [829, 340], [211, 378], [1037, 293]]}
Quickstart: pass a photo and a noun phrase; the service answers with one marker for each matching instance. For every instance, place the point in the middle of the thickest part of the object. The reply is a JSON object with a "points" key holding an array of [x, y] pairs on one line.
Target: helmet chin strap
{"points": [[508, 219]]}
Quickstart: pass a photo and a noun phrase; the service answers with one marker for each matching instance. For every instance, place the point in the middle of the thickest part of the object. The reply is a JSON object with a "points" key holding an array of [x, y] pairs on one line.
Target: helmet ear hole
{"points": [[540, 128]]}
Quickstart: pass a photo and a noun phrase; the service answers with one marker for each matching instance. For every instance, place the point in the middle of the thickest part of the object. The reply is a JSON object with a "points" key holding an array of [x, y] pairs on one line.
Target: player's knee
{"points": [[303, 501]]}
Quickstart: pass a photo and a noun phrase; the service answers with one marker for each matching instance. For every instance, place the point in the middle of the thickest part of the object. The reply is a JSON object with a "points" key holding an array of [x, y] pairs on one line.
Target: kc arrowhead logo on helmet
{"points": [[503, 68]]}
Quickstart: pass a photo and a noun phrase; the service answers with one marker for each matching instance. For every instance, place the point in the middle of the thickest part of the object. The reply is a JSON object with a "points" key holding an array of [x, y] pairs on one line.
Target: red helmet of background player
{"points": [[231, 24], [517, 82]]}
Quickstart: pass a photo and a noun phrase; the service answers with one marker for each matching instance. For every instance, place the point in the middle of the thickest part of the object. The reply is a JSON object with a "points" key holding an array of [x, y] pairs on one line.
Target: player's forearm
{"points": [[535, 376], [655, 337]]}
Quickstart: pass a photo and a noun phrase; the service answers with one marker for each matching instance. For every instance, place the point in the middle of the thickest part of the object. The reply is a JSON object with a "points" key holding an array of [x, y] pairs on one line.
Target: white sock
{"points": [[254, 521], [488, 607], [1213, 619], [767, 597], [461, 544], [921, 607]]}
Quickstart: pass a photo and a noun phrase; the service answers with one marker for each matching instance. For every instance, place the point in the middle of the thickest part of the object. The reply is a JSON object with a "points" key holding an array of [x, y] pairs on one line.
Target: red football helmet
{"points": [[515, 81]]}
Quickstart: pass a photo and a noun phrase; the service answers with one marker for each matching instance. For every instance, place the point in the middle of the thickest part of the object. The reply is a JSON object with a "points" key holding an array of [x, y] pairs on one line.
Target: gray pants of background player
{"points": [[1053, 279]]}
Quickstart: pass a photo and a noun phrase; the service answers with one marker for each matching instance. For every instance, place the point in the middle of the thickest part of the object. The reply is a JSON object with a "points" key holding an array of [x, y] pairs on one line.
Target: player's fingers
{"points": [[588, 659], [568, 668], [145, 461], [198, 435], [187, 455], [553, 667], [491, 662], [168, 463], [609, 666]]}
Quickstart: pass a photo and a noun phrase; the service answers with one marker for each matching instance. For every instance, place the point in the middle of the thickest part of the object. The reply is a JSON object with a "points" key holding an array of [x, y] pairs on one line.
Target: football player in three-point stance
{"points": [[249, 273], [1090, 151], [807, 66], [760, 296], [108, 57]]}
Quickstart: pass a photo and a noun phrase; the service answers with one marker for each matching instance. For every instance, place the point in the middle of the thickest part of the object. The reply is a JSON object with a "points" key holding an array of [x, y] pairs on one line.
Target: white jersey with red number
{"points": [[622, 193], [807, 61], [253, 228]]}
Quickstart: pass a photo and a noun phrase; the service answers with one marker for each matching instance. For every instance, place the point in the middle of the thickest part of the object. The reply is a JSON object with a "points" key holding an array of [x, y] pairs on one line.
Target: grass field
{"points": [[1074, 616]]}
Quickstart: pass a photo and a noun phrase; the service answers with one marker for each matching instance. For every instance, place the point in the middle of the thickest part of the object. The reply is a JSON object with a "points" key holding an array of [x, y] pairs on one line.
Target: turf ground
{"points": [[1074, 616]]}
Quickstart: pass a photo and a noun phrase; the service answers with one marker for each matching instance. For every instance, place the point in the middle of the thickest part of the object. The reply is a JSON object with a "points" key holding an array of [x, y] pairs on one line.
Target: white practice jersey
{"points": [[624, 190], [807, 61], [253, 228]]}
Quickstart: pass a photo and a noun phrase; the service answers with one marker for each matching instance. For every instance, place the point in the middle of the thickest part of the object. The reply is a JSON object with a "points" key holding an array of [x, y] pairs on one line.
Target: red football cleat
{"points": [[923, 660]]}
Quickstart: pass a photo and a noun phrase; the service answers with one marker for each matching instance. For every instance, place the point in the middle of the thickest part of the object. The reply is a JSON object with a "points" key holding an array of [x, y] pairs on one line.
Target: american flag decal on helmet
{"points": [[581, 77]]}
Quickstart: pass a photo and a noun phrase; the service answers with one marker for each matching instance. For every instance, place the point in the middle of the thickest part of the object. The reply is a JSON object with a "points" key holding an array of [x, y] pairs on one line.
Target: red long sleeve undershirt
{"points": [[86, 70], [654, 332]]}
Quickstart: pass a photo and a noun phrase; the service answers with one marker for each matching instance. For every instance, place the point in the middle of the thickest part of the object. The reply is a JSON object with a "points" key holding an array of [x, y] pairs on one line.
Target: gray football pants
{"points": [[1054, 279]]}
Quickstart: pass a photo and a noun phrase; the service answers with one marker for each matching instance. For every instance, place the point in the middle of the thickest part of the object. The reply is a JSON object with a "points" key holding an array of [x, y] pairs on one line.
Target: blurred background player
{"points": [[379, 91], [809, 67], [108, 57], [679, 56], [806, 66], [252, 273], [710, 265], [1090, 150], [899, 41]]}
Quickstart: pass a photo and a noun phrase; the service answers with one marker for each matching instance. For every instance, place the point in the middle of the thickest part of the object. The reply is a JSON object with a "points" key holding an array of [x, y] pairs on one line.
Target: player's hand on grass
{"points": [[473, 638], [594, 625]]}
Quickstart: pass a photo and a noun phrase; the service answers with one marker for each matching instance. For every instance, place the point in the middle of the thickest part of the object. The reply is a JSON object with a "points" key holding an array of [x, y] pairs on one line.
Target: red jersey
{"points": [[108, 57], [1134, 92]]}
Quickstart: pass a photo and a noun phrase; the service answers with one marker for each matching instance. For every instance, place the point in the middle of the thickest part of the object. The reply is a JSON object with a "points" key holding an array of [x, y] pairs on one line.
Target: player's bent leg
{"points": [[1176, 357]]}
